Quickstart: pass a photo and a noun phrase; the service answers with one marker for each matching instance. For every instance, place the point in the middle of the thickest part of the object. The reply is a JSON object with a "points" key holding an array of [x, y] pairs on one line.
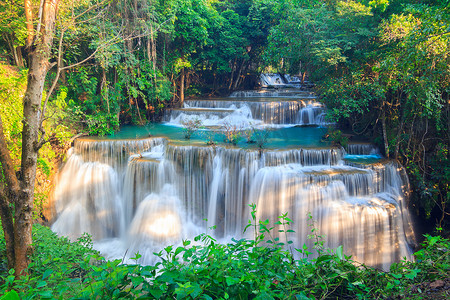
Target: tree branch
{"points": [[41, 8], [89, 9]]}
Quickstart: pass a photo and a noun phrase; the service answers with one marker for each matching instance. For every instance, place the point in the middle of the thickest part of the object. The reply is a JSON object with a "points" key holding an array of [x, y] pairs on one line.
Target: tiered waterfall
{"points": [[144, 193]]}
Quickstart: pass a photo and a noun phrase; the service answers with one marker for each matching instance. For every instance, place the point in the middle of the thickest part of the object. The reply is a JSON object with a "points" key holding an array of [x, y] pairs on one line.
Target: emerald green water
{"points": [[278, 138]]}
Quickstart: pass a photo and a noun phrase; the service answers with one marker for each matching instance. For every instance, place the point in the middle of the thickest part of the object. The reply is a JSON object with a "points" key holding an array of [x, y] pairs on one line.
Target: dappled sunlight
{"points": [[164, 224]]}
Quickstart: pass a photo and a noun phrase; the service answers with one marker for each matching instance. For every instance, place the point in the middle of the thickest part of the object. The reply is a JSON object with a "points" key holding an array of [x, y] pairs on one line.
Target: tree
{"points": [[12, 28], [17, 188], [190, 33]]}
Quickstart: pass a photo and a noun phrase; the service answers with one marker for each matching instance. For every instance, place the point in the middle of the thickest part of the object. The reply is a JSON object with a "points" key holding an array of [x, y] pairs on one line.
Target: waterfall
{"points": [[263, 111], [362, 149], [272, 80], [143, 194], [164, 194]]}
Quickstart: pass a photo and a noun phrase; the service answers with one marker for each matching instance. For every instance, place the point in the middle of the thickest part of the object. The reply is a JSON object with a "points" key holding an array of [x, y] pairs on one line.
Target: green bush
{"points": [[190, 127], [337, 137], [263, 267]]}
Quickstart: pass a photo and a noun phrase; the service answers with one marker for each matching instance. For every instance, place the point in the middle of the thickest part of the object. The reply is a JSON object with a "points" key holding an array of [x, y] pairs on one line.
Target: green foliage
{"points": [[261, 136], [190, 126], [233, 133], [13, 28], [350, 97], [257, 136], [323, 40], [55, 270], [336, 137], [12, 88], [103, 124], [260, 268]]}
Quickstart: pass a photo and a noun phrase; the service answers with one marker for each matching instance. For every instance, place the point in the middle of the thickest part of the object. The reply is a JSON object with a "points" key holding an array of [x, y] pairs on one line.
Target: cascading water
{"points": [[253, 108], [272, 80], [142, 194]]}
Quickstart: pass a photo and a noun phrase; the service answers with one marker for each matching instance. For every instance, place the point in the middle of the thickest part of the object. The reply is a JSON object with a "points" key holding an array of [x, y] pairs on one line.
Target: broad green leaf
{"points": [[340, 252]]}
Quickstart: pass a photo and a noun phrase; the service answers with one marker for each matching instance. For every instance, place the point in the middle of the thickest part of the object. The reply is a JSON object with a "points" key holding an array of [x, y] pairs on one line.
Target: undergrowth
{"points": [[262, 267]]}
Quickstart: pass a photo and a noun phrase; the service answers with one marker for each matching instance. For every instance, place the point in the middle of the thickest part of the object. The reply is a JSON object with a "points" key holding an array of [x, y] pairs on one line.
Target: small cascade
{"points": [[362, 149], [292, 79], [264, 111], [347, 211], [113, 153], [272, 80], [312, 114], [279, 93], [143, 194]]}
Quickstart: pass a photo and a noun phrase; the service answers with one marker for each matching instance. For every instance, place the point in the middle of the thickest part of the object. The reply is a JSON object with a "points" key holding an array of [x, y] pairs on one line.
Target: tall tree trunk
{"points": [[149, 50], [39, 54], [153, 53], [233, 68], [183, 74], [238, 78], [385, 139], [104, 89]]}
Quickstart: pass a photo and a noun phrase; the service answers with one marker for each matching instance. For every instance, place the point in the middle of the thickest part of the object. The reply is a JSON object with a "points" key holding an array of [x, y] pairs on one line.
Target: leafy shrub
{"points": [[232, 133], [56, 268], [337, 137], [190, 127], [263, 267]]}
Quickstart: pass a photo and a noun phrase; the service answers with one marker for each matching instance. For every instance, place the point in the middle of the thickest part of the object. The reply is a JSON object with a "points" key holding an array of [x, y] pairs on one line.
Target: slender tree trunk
{"points": [[149, 47], [19, 58], [9, 42], [238, 79], [233, 68], [15, 51], [8, 229], [182, 86], [104, 88], [153, 53], [383, 124]]}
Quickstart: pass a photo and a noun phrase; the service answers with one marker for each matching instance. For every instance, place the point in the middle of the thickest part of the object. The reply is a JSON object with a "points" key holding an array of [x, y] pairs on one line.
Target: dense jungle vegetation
{"points": [[380, 66]]}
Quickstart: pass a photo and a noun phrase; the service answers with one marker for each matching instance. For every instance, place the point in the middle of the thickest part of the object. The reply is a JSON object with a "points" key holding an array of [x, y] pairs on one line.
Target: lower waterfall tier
{"points": [[144, 194]]}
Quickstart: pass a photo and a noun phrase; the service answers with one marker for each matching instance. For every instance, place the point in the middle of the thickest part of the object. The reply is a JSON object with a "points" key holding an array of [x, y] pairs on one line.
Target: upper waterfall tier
{"points": [[250, 111], [278, 93]]}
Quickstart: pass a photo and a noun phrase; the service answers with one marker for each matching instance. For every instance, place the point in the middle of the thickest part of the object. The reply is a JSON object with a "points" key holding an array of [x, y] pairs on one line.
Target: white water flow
{"points": [[141, 195], [280, 108]]}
